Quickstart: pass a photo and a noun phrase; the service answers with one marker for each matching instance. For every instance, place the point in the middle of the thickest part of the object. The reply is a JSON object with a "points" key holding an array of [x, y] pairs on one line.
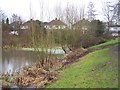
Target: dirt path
{"points": [[115, 52]]}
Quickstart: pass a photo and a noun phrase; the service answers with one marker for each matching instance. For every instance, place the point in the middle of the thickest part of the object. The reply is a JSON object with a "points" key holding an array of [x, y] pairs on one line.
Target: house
{"points": [[46, 25], [114, 30], [55, 24], [26, 25], [82, 25], [15, 25], [14, 33], [14, 28]]}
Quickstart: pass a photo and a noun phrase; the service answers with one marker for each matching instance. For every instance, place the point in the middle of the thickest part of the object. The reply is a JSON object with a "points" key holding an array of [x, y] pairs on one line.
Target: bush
{"points": [[102, 40]]}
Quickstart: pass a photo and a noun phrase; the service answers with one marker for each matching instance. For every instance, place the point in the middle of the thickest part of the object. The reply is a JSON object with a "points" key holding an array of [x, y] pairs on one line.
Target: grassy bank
{"points": [[113, 41], [98, 69]]}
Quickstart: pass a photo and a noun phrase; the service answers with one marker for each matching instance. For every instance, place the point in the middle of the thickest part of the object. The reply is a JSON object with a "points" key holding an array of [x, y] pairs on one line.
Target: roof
{"points": [[56, 22], [81, 22], [114, 29], [45, 23], [29, 22], [114, 25], [26, 23]]}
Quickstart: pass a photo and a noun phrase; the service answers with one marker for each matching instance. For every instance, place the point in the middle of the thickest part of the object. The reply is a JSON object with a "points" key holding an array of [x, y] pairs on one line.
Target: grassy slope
{"points": [[96, 70], [59, 48], [107, 43]]}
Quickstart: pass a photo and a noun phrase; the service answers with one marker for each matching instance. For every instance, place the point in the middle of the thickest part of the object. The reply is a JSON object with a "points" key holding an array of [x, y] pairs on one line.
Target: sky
{"points": [[22, 7]]}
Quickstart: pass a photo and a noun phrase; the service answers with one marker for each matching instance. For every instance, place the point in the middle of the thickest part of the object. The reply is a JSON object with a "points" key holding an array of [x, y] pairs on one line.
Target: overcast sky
{"points": [[22, 7]]}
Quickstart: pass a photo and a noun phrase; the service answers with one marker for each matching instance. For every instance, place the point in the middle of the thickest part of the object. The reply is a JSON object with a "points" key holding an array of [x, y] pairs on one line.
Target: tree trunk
{"points": [[64, 49]]}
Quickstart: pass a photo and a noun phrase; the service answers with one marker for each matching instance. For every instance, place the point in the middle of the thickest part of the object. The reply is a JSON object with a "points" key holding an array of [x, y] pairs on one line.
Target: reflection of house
{"points": [[55, 24]]}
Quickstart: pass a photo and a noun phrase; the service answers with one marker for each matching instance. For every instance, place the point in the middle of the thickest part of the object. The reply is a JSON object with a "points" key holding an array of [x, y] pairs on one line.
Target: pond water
{"points": [[14, 60]]}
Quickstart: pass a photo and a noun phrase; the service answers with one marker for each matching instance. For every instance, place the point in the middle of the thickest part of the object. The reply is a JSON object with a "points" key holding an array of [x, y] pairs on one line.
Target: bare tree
{"points": [[71, 14], [81, 13], [17, 18], [59, 11], [116, 13], [48, 15], [2, 15], [41, 9], [108, 11], [91, 11], [32, 26]]}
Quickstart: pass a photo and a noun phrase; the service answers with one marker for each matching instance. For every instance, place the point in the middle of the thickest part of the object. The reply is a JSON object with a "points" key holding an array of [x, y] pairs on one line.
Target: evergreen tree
{"points": [[98, 27], [7, 21]]}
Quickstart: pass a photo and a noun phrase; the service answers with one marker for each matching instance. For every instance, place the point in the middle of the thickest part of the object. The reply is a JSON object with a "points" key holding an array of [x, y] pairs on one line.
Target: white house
{"points": [[55, 24], [14, 33], [114, 30], [26, 25]]}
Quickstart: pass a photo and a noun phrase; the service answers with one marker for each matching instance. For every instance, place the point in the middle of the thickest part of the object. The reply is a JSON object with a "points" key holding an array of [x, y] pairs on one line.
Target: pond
{"points": [[14, 60]]}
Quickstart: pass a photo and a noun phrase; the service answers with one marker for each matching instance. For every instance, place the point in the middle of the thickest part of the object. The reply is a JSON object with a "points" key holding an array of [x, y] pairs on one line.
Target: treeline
{"points": [[82, 33], [85, 34]]}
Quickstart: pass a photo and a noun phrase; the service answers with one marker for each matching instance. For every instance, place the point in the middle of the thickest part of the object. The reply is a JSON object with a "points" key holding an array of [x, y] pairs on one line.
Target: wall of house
{"points": [[114, 29], [55, 26], [24, 27]]}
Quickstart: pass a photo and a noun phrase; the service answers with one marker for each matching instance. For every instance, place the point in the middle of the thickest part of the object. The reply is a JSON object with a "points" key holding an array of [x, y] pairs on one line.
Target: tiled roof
{"points": [[29, 22], [56, 22], [81, 22]]}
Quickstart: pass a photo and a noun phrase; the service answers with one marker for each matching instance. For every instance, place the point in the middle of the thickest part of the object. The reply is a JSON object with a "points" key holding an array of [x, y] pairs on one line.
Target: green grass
{"points": [[107, 43], [96, 70]]}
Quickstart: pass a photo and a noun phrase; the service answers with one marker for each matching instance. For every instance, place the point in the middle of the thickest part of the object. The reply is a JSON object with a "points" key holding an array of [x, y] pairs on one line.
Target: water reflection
{"points": [[14, 60]]}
